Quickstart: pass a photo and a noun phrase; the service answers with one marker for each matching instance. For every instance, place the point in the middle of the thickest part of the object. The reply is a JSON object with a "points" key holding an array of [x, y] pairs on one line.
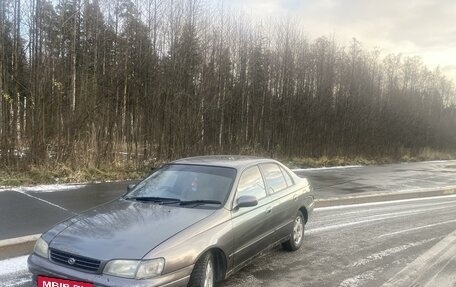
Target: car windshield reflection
{"points": [[185, 185]]}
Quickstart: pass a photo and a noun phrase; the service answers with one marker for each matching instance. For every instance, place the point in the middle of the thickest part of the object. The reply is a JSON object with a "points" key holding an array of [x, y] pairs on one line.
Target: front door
{"points": [[251, 225]]}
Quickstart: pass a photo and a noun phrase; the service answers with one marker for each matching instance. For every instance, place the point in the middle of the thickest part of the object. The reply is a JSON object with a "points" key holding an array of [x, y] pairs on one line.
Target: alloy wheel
{"points": [[298, 230]]}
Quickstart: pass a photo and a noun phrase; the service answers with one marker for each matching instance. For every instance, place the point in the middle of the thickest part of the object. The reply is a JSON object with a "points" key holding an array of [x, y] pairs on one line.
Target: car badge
{"points": [[71, 261]]}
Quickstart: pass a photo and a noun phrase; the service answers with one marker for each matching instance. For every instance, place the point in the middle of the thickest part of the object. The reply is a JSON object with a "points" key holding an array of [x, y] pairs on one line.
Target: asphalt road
{"points": [[381, 178], [25, 211], [357, 245]]}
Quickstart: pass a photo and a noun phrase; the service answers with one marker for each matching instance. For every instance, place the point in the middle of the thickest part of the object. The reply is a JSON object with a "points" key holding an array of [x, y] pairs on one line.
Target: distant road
{"points": [[381, 178], [25, 211]]}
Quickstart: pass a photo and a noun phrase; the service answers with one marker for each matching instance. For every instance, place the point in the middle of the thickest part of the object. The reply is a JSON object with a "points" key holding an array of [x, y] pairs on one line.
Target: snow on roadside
{"points": [[44, 187], [328, 167], [431, 161], [13, 265]]}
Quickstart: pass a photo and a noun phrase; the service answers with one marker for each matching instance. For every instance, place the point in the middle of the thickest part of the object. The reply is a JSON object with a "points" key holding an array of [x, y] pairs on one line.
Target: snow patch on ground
{"points": [[358, 280], [329, 167], [390, 251], [44, 188], [15, 282], [13, 265], [431, 161], [247, 281]]}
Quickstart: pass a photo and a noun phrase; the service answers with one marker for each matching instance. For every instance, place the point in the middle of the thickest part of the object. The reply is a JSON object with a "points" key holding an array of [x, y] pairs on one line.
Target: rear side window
{"points": [[274, 177], [251, 183], [287, 176]]}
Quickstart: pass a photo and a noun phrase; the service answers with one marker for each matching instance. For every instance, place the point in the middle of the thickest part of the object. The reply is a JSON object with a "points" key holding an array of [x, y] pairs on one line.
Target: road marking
{"points": [[19, 240], [48, 202], [373, 218], [341, 216], [416, 228], [13, 265], [390, 202], [341, 225], [386, 208], [423, 269]]}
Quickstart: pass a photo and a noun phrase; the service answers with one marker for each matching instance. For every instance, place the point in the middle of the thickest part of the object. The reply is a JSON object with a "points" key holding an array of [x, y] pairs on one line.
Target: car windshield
{"points": [[188, 185]]}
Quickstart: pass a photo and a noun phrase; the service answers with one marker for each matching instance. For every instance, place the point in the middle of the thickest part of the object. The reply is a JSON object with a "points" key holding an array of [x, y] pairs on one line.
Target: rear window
{"points": [[287, 176]]}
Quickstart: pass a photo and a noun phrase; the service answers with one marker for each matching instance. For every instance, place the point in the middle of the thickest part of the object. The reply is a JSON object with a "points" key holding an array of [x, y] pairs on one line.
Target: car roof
{"points": [[233, 161]]}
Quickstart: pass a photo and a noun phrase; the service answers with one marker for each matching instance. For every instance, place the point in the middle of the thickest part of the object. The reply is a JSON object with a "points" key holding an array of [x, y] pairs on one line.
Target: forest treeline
{"points": [[91, 82]]}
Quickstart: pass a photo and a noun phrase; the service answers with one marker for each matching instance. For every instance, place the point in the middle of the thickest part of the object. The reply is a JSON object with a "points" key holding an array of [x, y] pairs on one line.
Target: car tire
{"points": [[203, 274], [297, 233]]}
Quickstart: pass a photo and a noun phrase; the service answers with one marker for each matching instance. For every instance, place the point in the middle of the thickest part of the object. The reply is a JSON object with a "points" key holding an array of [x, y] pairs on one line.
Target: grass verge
{"points": [[63, 174], [118, 171], [406, 155]]}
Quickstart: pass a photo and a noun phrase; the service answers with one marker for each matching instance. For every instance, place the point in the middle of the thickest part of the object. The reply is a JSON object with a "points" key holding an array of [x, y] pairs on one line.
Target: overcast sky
{"points": [[412, 27]]}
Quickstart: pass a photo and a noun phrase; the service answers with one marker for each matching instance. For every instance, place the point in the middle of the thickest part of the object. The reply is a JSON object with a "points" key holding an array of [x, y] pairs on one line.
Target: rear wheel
{"points": [[297, 234], [203, 274]]}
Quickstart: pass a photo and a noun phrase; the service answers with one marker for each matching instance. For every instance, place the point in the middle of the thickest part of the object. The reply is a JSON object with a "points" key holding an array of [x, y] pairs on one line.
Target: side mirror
{"points": [[130, 187], [246, 201]]}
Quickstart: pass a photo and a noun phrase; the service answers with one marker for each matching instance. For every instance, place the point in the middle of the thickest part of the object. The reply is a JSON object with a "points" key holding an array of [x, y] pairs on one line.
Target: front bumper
{"points": [[41, 266]]}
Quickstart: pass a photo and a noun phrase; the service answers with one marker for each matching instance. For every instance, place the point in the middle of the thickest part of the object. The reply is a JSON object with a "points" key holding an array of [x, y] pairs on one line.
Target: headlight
{"points": [[150, 268], [122, 268], [139, 269], [41, 248]]}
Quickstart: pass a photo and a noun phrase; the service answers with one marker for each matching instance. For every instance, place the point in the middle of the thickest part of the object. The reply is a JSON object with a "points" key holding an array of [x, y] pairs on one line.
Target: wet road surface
{"points": [[382, 178], [25, 211], [357, 245]]}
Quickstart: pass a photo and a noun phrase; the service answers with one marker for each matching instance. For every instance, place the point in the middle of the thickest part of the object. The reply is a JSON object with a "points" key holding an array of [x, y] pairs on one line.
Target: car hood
{"points": [[123, 229]]}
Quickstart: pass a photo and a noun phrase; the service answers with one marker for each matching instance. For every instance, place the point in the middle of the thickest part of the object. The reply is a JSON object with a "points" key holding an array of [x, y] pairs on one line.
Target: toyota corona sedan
{"points": [[192, 222]]}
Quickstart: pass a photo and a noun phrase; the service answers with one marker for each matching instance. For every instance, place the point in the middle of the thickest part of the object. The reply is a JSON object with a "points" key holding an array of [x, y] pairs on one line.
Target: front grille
{"points": [[81, 263]]}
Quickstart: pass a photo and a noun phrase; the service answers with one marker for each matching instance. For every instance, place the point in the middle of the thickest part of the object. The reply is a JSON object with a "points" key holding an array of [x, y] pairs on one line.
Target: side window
{"points": [[287, 176], [273, 176], [251, 183]]}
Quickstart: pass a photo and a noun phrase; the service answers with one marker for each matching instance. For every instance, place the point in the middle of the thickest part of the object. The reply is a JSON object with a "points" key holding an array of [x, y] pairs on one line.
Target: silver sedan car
{"points": [[193, 222]]}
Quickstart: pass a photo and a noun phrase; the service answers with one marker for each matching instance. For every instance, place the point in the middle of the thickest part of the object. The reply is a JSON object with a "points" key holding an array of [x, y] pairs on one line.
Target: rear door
{"points": [[251, 225], [283, 195]]}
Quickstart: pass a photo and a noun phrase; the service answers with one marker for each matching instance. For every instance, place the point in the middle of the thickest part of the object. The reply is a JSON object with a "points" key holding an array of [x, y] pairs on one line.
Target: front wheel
{"points": [[297, 234], [203, 274]]}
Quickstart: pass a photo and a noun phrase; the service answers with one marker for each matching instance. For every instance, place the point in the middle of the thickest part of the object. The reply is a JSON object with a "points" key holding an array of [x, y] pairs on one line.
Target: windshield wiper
{"points": [[154, 199], [199, 202], [168, 200]]}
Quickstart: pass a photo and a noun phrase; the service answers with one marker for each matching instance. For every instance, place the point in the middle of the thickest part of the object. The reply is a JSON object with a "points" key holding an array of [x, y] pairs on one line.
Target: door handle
{"points": [[269, 209], [295, 197]]}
